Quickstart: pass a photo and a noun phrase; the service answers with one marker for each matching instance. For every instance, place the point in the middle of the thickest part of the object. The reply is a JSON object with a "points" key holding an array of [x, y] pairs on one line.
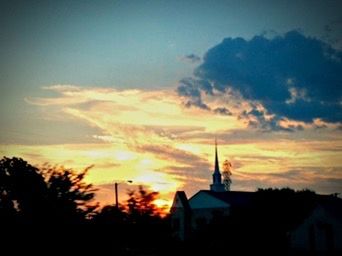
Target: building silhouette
{"points": [[298, 223]]}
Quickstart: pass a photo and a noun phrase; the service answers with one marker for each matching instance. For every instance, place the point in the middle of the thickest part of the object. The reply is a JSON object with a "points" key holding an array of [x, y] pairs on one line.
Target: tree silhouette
{"points": [[68, 194], [22, 189], [47, 195], [110, 215], [135, 228], [148, 232], [140, 203]]}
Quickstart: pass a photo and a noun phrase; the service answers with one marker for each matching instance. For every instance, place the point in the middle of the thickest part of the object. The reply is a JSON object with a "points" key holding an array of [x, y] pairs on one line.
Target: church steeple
{"points": [[217, 179], [217, 167]]}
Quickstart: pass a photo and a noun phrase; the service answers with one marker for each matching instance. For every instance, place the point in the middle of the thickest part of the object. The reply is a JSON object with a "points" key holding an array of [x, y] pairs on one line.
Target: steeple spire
{"points": [[217, 166], [217, 182]]}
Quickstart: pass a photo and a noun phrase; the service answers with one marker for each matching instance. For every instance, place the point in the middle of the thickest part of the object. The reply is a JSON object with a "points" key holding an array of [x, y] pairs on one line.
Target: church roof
{"points": [[235, 198]]}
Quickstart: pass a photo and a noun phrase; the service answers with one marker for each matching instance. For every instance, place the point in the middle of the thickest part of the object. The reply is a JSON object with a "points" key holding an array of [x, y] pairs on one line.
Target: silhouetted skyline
{"points": [[140, 90]]}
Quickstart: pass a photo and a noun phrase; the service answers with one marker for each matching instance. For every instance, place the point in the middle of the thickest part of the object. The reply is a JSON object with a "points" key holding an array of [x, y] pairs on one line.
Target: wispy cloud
{"points": [[150, 137], [172, 154]]}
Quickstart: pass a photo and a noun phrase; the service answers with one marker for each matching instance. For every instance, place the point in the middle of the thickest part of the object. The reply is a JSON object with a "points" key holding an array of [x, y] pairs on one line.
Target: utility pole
{"points": [[116, 195], [116, 184]]}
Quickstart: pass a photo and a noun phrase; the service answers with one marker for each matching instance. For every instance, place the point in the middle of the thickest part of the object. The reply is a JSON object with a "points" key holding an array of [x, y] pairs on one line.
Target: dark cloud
{"points": [[192, 58], [223, 111], [293, 76], [333, 33], [191, 89], [256, 119]]}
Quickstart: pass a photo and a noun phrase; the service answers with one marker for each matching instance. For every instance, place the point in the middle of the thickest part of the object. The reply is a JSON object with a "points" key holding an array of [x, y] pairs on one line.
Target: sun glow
{"points": [[124, 155], [157, 181], [163, 205]]}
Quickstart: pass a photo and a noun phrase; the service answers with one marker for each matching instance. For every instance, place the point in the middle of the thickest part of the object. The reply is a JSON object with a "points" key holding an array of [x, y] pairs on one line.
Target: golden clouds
{"points": [[142, 131], [151, 138]]}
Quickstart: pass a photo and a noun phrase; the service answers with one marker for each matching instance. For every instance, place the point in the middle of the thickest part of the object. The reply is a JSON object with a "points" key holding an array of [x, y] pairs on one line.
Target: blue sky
{"points": [[133, 44], [152, 46]]}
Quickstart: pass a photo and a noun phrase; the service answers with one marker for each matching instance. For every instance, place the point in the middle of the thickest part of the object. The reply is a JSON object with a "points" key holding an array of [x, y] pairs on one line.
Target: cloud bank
{"points": [[288, 77]]}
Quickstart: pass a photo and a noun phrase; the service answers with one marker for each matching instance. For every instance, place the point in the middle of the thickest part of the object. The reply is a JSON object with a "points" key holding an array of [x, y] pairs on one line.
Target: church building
{"points": [[191, 214], [315, 228]]}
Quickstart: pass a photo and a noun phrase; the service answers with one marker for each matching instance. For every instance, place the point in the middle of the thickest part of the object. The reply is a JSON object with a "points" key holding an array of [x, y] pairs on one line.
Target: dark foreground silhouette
{"points": [[51, 210]]}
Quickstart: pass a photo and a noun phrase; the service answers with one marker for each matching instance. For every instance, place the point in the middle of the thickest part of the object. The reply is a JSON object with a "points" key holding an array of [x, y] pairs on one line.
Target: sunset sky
{"points": [[140, 90]]}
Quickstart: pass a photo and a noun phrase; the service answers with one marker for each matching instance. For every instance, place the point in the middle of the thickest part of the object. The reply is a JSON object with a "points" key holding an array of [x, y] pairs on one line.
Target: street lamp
{"points": [[116, 184]]}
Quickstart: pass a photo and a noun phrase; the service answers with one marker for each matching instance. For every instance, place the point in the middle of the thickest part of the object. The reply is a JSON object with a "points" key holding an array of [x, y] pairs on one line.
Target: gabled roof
{"points": [[330, 205], [181, 196], [333, 205], [234, 198]]}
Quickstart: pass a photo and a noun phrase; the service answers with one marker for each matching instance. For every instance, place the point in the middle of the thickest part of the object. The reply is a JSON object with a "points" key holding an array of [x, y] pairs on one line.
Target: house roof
{"points": [[234, 198], [333, 205]]}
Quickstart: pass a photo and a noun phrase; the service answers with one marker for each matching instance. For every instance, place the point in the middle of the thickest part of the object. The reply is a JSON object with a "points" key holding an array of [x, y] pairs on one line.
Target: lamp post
{"points": [[116, 184]]}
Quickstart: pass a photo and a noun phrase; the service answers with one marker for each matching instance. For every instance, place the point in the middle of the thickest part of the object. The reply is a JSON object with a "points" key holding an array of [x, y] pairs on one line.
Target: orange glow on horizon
{"points": [[163, 206]]}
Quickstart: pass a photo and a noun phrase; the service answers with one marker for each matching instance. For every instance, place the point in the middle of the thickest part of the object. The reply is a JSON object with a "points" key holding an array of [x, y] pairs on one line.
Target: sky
{"points": [[140, 90]]}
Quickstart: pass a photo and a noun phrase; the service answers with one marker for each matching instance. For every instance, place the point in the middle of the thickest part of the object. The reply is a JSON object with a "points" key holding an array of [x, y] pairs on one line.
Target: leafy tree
{"points": [[22, 189], [145, 223], [49, 194], [134, 228], [70, 197], [140, 203]]}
